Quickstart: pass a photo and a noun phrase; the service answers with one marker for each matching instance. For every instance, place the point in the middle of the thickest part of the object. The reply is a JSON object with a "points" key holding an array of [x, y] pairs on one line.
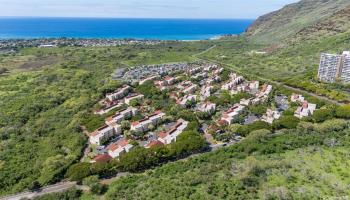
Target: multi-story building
{"points": [[230, 115], [334, 66], [307, 109], [128, 99], [120, 147], [143, 125], [187, 98], [207, 107], [171, 135], [345, 70], [101, 135], [270, 116], [121, 115], [118, 94]]}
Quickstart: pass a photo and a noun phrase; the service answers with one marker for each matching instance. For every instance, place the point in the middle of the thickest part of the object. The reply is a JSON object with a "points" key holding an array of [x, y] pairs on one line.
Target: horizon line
{"points": [[85, 17]]}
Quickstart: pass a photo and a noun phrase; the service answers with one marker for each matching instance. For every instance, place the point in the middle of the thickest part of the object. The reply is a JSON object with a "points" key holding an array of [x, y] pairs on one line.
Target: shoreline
{"points": [[216, 37]]}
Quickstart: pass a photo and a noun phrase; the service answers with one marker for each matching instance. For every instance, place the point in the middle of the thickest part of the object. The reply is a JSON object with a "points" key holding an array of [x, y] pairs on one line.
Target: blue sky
{"points": [[141, 8]]}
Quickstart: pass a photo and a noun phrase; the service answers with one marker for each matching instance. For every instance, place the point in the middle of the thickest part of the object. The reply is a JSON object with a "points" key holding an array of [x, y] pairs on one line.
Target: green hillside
{"points": [[294, 164], [47, 94], [293, 18], [42, 107]]}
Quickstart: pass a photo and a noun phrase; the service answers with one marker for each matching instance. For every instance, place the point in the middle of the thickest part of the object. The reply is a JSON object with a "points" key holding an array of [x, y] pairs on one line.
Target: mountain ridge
{"points": [[294, 18]]}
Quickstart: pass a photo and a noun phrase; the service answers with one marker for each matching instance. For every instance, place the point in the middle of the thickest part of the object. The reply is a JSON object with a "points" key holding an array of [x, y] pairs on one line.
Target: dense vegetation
{"points": [[265, 166], [42, 107]]}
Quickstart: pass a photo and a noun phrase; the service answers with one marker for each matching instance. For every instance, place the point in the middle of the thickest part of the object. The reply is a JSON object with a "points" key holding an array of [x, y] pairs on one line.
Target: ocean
{"points": [[161, 29]]}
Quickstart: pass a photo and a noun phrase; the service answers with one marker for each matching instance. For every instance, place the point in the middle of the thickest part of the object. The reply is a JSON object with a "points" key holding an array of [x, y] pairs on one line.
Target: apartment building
{"points": [[187, 98], [143, 125], [171, 135], [345, 71], [307, 109], [334, 67], [232, 114], [207, 107], [206, 92], [119, 93], [270, 116], [102, 134], [120, 147], [121, 115], [128, 99]]}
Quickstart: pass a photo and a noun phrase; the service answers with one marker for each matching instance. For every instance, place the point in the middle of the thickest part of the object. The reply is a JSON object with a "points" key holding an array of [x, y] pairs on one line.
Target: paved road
{"points": [[46, 190], [267, 80]]}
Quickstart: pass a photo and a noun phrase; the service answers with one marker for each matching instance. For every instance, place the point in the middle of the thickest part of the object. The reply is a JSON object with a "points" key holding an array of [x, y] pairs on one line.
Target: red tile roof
{"points": [[119, 144], [154, 143], [109, 119], [113, 147], [222, 122], [134, 123], [102, 158], [122, 142], [162, 134], [94, 133]]}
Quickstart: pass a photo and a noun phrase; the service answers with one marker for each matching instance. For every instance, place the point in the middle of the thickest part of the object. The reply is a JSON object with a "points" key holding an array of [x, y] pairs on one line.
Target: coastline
{"points": [[120, 29]]}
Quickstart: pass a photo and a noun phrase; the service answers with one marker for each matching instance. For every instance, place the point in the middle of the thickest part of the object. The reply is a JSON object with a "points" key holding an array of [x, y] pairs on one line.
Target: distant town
{"points": [[48, 43]]}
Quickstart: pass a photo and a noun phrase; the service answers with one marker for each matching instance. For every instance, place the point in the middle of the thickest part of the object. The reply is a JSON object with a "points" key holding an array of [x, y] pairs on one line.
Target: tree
{"points": [[188, 142], [79, 171], [258, 110], [137, 159], [233, 128], [187, 115], [125, 125], [98, 188], [203, 115], [135, 102], [88, 181]]}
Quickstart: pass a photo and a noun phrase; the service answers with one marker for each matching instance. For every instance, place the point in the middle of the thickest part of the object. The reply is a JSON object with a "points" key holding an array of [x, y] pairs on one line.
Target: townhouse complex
{"points": [[217, 98], [334, 67]]}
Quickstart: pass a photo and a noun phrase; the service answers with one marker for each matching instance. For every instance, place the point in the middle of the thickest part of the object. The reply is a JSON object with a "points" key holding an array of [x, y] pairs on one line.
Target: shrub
{"points": [[246, 129], [332, 125], [88, 181], [323, 115], [71, 194], [78, 171], [288, 122], [343, 112]]}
